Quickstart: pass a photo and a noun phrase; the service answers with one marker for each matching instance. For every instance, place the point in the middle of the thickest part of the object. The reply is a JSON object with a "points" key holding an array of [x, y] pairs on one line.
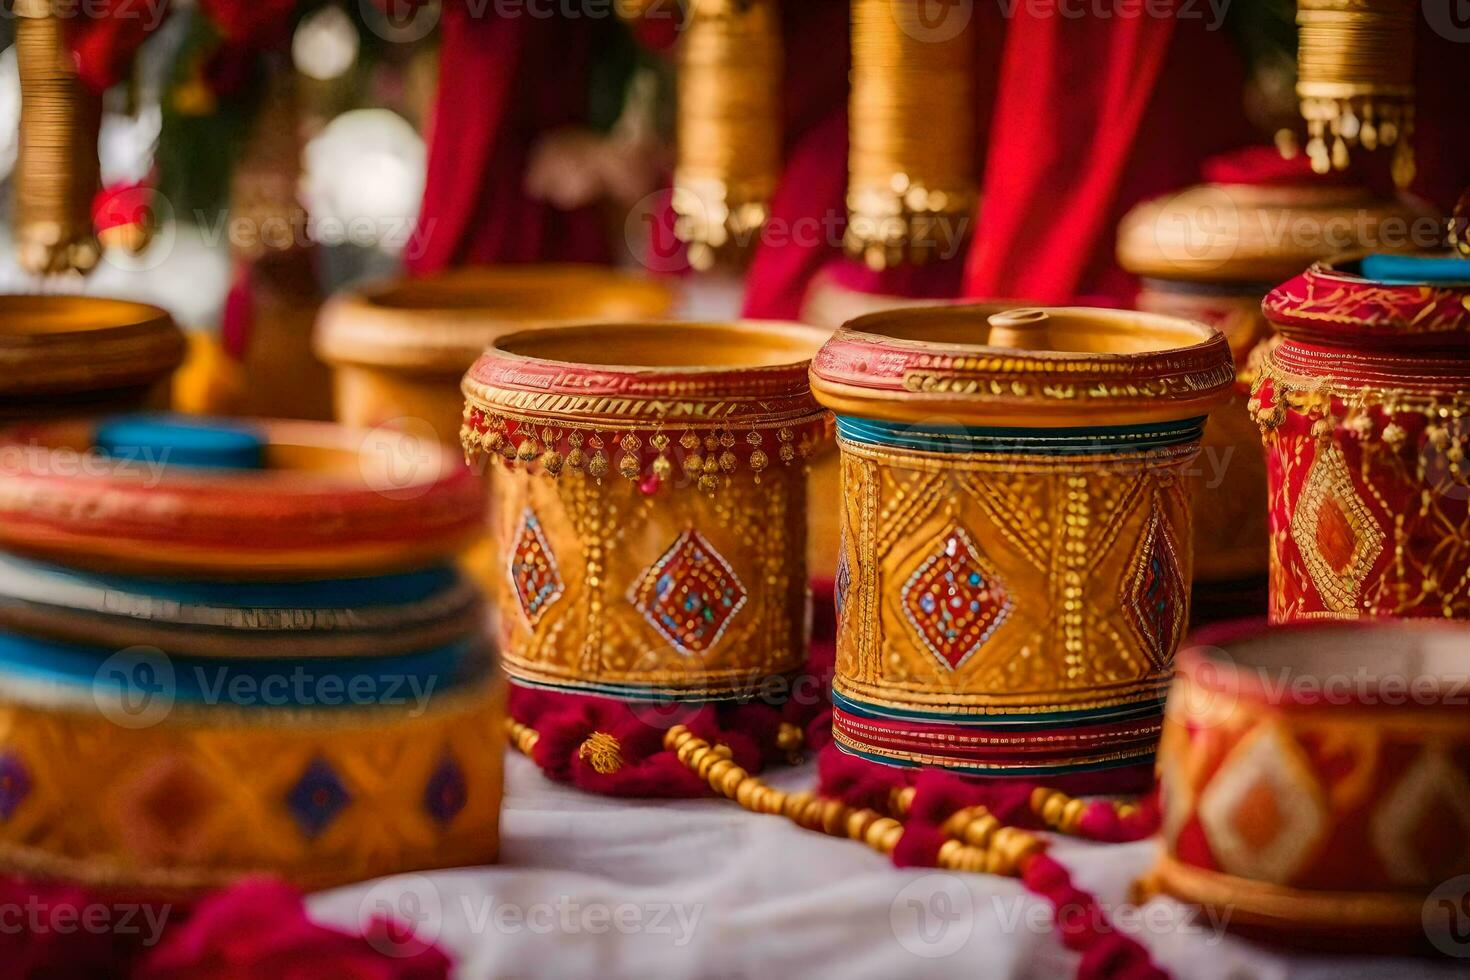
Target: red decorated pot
{"points": [[320, 501], [1315, 782], [1362, 406]]}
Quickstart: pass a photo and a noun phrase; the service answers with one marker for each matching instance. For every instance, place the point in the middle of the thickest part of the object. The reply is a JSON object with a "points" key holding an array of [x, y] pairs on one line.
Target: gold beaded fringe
{"points": [[977, 840], [1355, 80], [57, 173], [911, 160], [729, 94], [706, 458]]}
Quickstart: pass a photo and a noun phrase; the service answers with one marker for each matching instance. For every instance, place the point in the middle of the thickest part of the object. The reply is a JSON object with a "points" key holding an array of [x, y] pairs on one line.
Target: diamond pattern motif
{"points": [[317, 798], [1157, 596], [446, 793], [15, 784], [166, 808], [1335, 531], [690, 595], [954, 600], [1429, 805], [1263, 812], [843, 580], [533, 570]]}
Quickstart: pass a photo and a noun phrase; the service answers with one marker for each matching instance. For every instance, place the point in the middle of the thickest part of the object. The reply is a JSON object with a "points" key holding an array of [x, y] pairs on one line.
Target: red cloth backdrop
{"points": [[1093, 115], [503, 81]]}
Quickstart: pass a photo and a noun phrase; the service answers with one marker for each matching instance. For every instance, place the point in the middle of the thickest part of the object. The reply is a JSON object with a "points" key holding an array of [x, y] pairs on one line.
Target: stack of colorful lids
{"points": [[1210, 253], [238, 648], [72, 355]]}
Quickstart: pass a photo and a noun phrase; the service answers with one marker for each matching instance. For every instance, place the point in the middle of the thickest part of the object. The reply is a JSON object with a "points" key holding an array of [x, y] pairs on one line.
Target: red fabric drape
{"points": [[503, 82], [1093, 115], [1442, 124]]}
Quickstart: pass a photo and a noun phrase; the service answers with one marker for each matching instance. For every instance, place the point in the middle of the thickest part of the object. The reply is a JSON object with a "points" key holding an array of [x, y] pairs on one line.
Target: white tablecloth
{"points": [[595, 887]]}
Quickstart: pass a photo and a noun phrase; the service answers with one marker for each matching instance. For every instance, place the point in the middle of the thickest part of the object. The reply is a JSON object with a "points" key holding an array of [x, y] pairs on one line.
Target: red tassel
{"points": [[1106, 953], [1101, 821]]}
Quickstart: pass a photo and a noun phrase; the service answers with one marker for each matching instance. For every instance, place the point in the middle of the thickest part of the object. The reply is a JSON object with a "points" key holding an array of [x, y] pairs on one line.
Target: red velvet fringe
{"points": [[564, 721], [1081, 923]]}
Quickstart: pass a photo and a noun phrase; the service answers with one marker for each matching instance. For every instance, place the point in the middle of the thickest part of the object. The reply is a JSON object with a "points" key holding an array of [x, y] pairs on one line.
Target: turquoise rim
{"points": [[1081, 441], [287, 682]]}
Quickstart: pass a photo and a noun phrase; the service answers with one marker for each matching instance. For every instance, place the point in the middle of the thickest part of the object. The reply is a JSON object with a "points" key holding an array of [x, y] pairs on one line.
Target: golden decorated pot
{"points": [[1362, 407], [649, 503], [240, 648], [1315, 783], [398, 349], [829, 304], [1211, 253], [78, 355], [1016, 532]]}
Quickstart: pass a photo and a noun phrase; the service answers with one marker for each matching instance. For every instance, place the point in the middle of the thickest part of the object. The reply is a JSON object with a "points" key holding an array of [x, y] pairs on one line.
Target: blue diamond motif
{"points": [[15, 784], [844, 579], [317, 798], [446, 793]]}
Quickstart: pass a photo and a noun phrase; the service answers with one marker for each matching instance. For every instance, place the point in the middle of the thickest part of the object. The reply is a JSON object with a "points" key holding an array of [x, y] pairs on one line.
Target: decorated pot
{"points": [[78, 355], [649, 504], [1315, 782], [1210, 253], [1016, 532], [1362, 408], [254, 646], [398, 349], [829, 304]]}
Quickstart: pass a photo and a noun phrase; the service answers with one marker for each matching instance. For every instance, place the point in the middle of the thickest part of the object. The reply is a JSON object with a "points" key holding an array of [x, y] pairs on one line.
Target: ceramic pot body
{"points": [[1016, 532], [829, 304], [1315, 780], [74, 355], [650, 518], [254, 645], [1362, 408], [399, 349]]}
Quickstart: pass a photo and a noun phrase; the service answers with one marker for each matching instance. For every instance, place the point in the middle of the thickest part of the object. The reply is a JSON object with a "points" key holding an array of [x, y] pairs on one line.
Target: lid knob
{"points": [[1021, 329]]}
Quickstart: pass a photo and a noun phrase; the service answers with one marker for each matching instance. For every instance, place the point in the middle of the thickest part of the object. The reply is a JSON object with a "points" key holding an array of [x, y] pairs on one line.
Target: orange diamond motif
{"points": [[165, 809], [1263, 812], [533, 570], [954, 600], [1335, 531], [1422, 827], [690, 595]]}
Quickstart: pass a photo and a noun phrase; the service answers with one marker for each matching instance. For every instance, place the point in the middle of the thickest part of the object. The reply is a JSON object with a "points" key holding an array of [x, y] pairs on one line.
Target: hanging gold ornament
{"points": [[729, 125], [1459, 225], [57, 172], [266, 214], [1355, 80], [911, 157]]}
